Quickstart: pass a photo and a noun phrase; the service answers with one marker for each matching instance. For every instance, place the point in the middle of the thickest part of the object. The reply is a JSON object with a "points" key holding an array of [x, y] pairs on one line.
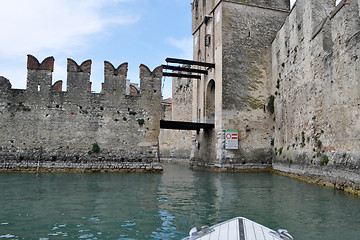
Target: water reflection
{"points": [[167, 206]]}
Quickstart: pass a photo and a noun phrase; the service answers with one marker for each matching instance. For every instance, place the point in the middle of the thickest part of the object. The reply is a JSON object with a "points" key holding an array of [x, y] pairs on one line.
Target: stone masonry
{"points": [[316, 87], [287, 81], [49, 127], [236, 36], [175, 145]]}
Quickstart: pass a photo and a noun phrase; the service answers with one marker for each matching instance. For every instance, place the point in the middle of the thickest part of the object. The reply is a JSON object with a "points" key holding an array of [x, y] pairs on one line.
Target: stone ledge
{"points": [[229, 167], [175, 160], [93, 166], [336, 178]]}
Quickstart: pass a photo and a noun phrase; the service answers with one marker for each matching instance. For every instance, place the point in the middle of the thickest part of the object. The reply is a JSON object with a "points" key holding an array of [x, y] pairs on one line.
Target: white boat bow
{"points": [[238, 228]]}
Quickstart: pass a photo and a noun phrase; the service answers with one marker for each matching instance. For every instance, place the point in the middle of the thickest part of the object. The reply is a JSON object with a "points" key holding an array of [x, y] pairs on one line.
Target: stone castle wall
{"points": [[288, 82], [246, 70], [236, 36], [176, 145], [316, 85], [44, 124]]}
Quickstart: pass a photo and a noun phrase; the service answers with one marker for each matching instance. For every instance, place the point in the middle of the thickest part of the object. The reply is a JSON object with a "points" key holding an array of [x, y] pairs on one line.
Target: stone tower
{"points": [[236, 35], [176, 144]]}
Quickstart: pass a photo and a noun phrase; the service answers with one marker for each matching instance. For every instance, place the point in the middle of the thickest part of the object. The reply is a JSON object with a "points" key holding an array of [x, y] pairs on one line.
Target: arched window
{"points": [[210, 102]]}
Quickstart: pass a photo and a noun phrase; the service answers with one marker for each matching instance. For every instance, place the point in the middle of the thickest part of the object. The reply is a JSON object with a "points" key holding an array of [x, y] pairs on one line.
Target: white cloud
{"points": [[185, 45], [38, 25]]}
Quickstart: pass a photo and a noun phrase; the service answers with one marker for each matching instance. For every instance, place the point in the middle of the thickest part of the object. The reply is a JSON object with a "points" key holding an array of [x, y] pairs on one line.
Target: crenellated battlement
{"points": [[85, 67], [312, 19], [43, 122], [121, 70], [46, 64], [41, 91]]}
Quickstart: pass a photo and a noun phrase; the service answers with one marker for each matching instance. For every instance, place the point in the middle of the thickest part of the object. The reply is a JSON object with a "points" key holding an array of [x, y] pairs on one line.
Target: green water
{"points": [[167, 206]]}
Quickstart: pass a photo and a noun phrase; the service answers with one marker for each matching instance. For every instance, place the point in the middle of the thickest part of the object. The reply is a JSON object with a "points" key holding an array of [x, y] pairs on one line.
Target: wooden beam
{"points": [[183, 69], [180, 75], [164, 124], [190, 62]]}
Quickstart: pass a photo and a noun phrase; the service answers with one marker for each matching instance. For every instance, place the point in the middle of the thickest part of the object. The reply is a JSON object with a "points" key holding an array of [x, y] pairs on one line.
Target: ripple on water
{"points": [[128, 224], [94, 219], [167, 206], [8, 236], [63, 234], [87, 236]]}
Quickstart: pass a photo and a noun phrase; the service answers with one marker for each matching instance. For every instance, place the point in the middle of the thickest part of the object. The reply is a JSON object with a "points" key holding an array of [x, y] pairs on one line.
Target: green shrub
{"points": [[325, 160], [132, 113], [278, 84], [95, 148], [272, 142], [280, 151], [302, 139], [141, 121], [271, 104], [124, 118], [319, 144]]}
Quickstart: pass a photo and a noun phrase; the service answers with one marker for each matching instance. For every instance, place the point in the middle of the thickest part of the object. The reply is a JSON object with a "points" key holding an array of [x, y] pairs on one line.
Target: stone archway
{"points": [[210, 102]]}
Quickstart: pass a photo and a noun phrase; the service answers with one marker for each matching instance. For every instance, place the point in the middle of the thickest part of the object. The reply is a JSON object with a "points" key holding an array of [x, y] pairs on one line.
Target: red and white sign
{"points": [[231, 139], [231, 136]]}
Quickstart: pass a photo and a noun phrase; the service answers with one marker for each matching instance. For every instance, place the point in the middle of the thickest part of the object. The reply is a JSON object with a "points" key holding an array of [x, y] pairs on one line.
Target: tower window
{"points": [[196, 9], [207, 39]]}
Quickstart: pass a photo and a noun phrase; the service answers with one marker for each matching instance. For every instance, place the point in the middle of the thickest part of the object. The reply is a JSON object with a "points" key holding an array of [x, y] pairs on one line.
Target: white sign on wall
{"points": [[231, 139]]}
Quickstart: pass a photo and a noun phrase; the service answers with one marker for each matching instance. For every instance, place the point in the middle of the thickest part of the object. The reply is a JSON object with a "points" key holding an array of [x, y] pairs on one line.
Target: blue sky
{"points": [[133, 31]]}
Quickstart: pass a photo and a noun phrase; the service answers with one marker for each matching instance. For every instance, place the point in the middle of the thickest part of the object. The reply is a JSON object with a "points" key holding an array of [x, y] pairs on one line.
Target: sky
{"points": [[133, 31]]}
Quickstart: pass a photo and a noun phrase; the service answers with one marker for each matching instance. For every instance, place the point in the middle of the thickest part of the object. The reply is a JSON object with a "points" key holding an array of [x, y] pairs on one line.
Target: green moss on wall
{"points": [[271, 104], [254, 74], [255, 103]]}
